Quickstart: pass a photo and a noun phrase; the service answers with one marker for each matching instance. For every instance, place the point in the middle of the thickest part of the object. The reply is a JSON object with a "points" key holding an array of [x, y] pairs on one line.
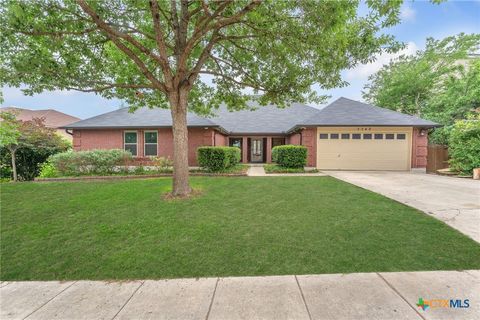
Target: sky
{"points": [[420, 20]]}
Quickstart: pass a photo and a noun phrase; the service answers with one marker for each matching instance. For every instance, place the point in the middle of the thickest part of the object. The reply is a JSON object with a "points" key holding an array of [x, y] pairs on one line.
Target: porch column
{"points": [[245, 150], [269, 149]]}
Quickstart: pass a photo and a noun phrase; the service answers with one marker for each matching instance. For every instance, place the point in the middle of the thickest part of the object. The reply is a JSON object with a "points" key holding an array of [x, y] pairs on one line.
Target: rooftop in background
{"points": [[53, 118]]}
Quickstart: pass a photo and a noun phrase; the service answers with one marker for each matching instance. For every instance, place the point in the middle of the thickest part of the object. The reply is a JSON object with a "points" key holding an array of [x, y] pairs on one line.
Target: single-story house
{"points": [[346, 134]]}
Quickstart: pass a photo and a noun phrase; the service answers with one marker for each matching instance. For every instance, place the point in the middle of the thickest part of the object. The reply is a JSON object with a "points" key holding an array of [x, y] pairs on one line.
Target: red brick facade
{"points": [[113, 139]]}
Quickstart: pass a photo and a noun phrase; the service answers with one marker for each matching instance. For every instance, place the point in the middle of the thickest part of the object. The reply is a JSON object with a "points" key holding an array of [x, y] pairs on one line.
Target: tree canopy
{"points": [[138, 50], [190, 55], [440, 83]]}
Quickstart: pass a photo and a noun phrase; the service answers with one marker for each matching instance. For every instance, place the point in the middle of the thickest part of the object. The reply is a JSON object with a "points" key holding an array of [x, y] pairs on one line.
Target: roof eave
{"points": [[139, 127], [298, 126]]}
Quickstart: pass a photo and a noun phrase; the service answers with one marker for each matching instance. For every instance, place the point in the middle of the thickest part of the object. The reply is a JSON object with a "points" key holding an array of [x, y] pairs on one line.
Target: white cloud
{"points": [[363, 71], [407, 13]]}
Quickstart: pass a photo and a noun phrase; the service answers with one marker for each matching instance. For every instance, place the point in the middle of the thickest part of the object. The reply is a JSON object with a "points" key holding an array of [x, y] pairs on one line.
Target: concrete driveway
{"points": [[455, 201]]}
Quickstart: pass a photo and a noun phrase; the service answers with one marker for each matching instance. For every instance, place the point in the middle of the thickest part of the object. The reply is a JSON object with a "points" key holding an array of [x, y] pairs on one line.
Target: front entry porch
{"points": [[256, 149]]}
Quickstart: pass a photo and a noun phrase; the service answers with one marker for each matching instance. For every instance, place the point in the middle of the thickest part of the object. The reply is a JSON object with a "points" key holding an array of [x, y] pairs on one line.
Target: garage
{"points": [[364, 148]]}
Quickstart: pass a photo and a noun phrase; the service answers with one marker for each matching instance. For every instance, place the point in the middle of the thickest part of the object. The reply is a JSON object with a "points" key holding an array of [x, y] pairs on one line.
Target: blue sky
{"points": [[420, 19]]}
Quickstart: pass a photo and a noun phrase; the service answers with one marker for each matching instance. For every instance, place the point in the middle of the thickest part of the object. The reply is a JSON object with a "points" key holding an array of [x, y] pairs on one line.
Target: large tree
{"points": [[440, 83], [154, 53], [409, 83]]}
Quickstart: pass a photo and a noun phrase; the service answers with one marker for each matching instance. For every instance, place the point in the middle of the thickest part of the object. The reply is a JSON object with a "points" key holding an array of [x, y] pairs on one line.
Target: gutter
{"points": [[295, 128], [219, 128]]}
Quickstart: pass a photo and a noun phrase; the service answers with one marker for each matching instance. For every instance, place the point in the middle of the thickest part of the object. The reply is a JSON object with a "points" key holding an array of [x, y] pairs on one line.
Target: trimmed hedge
{"points": [[218, 158], [290, 156], [88, 162]]}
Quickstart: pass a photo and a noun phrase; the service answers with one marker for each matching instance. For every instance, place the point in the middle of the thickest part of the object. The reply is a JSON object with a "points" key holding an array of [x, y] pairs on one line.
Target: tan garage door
{"points": [[364, 148]]}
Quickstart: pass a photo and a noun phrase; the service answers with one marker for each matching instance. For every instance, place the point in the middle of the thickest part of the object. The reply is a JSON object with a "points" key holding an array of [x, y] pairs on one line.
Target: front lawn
{"points": [[238, 226]]}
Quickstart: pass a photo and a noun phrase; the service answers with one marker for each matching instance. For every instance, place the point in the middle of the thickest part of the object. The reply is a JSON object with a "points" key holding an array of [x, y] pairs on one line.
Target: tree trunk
{"points": [[14, 164], [178, 106]]}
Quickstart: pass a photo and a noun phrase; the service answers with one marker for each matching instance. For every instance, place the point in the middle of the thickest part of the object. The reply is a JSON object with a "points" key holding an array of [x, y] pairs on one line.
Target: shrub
{"points": [[35, 144], [161, 163], [290, 156], [89, 162], [218, 158], [47, 170], [464, 145]]}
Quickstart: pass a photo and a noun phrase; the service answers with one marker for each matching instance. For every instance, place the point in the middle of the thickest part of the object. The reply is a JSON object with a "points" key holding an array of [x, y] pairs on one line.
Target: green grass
{"points": [[275, 168], [238, 226]]}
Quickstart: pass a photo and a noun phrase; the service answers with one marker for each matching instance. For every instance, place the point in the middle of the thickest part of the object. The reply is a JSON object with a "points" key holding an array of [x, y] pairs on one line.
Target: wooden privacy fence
{"points": [[437, 157]]}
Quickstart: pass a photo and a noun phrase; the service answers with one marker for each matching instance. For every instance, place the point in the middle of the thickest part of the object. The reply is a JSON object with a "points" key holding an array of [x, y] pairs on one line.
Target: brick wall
{"points": [[307, 138], [113, 139]]}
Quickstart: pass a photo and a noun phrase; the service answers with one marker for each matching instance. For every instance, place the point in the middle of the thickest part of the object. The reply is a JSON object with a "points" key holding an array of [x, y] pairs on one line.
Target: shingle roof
{"points": [[141, 118], [53, 118], [261, 119], [346, 112]]}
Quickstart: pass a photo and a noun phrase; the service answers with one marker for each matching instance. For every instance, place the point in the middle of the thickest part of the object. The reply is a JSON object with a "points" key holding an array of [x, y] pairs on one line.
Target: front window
{"points": [[151, 143], [130, 142], [278, 142], [236, 142]]}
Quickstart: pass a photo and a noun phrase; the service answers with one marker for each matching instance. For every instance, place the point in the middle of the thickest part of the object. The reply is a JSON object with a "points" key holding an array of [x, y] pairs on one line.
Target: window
{"points": [[236, 142], [345, 136], [401, 136], [151, 143], [278, 142], [323, 135], [356, 136], [367, 136], [378, 136], [389, 136], [130, 142], [333, 135]]}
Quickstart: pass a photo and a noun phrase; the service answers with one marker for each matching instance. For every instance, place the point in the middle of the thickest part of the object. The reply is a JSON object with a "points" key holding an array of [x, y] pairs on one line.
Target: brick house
{"points": [[346, 134]]}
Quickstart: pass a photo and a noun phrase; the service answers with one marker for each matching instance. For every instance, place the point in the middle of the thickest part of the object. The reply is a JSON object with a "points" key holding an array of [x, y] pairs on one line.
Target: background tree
{"points": [[189, 55], [440, 83], [33, 144], [9, 134]]}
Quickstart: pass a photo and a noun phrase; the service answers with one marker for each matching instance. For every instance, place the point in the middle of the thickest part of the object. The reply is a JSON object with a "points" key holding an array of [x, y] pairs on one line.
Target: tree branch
{"points": [[114, 36], [112, 86], [167, 72]]}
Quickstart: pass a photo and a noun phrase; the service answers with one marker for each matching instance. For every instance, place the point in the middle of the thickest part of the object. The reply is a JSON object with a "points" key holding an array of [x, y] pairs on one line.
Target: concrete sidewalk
{"points": [[329, 296]]}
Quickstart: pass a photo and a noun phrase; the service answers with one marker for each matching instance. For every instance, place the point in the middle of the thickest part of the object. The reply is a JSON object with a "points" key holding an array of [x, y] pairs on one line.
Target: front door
{"points": [[256, 150]]}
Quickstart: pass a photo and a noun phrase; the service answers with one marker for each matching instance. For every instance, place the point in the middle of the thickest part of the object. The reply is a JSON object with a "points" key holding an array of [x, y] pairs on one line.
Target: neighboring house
{"points": [[52, 118], [346, 134]]}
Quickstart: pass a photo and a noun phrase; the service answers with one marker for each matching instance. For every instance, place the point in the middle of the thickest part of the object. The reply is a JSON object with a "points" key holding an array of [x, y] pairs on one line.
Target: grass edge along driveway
{"points": [[237, 227]]}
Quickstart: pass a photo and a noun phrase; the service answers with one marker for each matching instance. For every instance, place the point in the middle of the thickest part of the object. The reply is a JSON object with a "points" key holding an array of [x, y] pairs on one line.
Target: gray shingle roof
{"points": [[346, 112], [262, 119], [141, 118]]}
